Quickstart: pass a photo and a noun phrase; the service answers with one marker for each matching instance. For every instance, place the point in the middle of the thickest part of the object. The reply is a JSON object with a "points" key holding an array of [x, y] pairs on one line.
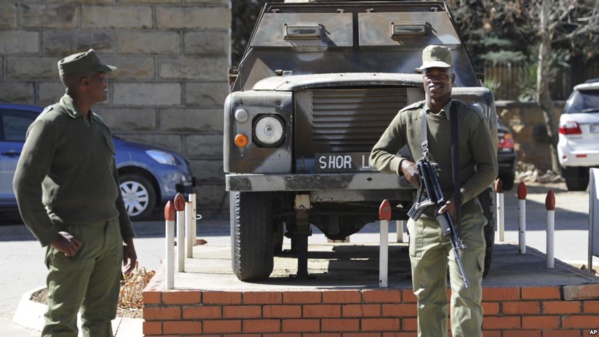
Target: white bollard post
{"points": [[169, 216], [384, 217], [180, 208], [522, 192], [194, 212], [500, 209], [399, 228], [189, 243], [550, 206]]}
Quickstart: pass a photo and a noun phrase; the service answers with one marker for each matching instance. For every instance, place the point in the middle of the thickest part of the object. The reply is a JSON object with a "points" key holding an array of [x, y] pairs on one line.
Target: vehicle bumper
{"points": [[570, 158], [332, 187], [175, 181]]}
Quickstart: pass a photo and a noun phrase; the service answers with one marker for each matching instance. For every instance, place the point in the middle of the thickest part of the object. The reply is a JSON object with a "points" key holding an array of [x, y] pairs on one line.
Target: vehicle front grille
{"points": [[352, 120]]}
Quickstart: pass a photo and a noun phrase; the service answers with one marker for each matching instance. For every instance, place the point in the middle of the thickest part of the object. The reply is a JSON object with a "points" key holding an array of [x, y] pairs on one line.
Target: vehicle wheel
{"points": [[251, 235], [139, 195], [577, 178], [507, 181], [488, 204]]}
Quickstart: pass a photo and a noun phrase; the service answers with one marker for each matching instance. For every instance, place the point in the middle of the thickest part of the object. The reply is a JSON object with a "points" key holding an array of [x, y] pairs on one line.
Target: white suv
{"points": [[578, 146]]}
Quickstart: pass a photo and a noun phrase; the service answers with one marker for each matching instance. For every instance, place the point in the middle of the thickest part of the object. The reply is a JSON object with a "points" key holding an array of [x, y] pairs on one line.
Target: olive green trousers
{"points": [[431, 255], [89, 281]]}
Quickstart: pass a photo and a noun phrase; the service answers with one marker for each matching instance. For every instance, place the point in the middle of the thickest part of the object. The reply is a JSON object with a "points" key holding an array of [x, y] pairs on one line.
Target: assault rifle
{"points": [[434, 197]]}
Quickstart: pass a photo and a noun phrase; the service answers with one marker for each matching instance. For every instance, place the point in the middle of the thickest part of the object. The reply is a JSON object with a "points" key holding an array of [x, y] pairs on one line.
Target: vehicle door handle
{"points": [[11, 154]]}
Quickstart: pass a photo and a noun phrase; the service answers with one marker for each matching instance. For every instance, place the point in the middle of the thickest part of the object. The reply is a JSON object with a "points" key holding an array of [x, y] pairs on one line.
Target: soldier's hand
{"points": [[67, 243], [410, 172], [129, 256], [448, 207]]}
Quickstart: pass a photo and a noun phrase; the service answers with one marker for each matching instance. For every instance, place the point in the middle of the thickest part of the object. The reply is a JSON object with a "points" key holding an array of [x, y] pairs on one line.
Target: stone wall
{"points": [[172, 58], [527, 123]]}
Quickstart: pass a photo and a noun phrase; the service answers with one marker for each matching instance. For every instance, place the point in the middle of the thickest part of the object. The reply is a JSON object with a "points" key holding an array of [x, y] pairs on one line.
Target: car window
{"points": [[14, 124], [583, 101]]}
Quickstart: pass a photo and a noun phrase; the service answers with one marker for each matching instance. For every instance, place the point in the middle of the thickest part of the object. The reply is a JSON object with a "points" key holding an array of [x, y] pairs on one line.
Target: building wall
{"points": [[172, 58]]}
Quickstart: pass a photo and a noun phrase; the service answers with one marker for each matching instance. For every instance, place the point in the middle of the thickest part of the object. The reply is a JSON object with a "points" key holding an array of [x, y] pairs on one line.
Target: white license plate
{"points": [[342, 162]]}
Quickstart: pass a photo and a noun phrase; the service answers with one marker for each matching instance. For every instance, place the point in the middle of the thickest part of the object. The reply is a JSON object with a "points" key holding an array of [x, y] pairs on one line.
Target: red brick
{"points": [[490, 308], [161, 313], [381, 296], [222, 326], [210, 311], [362, 334], [242, 311], [293, 297], [409, 324], [221, 297], [521, 333], [282, 311], [328, 334], [399, 310], [407, 296], [561, 307], [581, 292], [152, 297], [563, 333], [541, 293], [241, 335], [343, 296], [361, 310], [501, 294], [272, 335], [261, 325], [340, 324], [182, 327], [181, 297], [152, 328], [301, 325], [487, 333], [540, 322], [591, 307], [262, 297], [399, 334], [321, 310], [504, 323], [380, 324], [519, 308], [581, 322]]}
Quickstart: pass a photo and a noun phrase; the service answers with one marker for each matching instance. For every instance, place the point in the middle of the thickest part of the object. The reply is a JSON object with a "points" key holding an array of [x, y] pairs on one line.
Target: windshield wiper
{"points": [[591, 110]]}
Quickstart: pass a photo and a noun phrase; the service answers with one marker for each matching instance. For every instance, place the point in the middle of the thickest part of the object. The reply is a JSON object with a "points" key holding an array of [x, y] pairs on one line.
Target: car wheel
{"points": [[577, 178], [507, 181], [251, 235], [487, 202], [139, 195]]}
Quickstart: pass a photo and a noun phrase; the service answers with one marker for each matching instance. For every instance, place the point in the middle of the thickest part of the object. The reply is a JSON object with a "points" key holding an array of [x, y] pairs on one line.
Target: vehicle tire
{"points": [[488, 204], [139, 195], [251, 235], [507, 181], [577, 178]]}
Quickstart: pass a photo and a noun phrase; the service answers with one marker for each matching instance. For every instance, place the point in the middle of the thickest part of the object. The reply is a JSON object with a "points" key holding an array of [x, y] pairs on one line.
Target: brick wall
{"points": [[567, 311], [172, 56]]}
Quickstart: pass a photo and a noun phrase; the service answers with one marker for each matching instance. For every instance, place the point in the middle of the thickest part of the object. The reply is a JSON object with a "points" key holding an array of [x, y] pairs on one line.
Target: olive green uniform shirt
{"points": [[477, 155], [67, 175]]}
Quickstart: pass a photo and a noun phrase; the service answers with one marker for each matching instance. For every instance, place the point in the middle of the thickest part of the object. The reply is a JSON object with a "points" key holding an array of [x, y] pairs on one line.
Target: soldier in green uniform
{"points": [[68, 193], [430, 251]]}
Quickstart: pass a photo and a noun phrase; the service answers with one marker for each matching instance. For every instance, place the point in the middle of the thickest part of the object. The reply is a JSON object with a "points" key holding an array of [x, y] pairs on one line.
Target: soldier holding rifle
{"points": [[431, 251]]}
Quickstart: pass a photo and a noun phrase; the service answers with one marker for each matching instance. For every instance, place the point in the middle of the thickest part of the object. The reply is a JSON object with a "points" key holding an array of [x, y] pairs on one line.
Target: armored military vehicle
{"points": [[318, 84]]}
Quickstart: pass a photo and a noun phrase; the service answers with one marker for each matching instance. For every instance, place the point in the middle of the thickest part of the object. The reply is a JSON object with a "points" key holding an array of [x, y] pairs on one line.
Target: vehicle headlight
{"points": [[269, 130], [162, 157]]}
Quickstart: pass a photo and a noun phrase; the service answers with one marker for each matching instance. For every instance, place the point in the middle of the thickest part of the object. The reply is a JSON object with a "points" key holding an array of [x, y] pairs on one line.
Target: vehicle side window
{"points": [[14, 124]]}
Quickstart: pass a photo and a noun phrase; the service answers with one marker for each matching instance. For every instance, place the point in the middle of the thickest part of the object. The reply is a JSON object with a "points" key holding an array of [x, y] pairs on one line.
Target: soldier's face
{"points": [[438, 82], [98, 86]]}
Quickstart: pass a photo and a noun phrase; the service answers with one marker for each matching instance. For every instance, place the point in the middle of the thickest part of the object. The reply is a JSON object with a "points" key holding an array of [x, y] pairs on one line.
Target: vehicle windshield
{"points": [[586, 101]]}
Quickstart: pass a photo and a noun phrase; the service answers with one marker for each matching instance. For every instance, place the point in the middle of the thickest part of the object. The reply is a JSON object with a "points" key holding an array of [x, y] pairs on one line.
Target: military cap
{"points": [[435, 56], [82, 63]]}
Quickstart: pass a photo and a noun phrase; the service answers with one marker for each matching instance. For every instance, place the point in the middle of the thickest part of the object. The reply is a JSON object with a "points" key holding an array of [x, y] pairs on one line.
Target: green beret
{"points": [[81, 63]]}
